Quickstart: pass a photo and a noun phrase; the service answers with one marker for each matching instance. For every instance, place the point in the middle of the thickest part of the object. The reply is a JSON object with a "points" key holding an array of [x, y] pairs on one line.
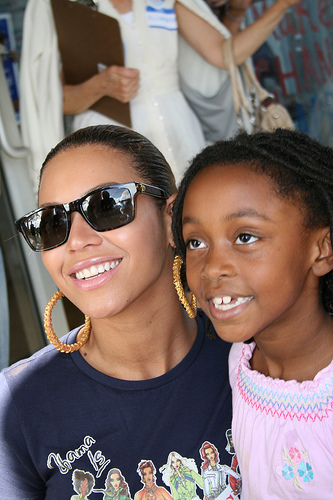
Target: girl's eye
{"points": [[245, 239], [195, 244]]}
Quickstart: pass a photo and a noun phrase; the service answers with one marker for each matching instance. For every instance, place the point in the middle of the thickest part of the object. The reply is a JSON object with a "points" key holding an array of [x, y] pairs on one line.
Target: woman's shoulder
{"points": [[43, 363], [201, 9], [35, 361]]}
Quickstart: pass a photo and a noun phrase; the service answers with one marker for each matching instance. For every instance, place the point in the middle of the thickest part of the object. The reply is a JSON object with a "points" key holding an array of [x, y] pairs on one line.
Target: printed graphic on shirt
{"points": [[116, 487], [96, 458], [215, 475], [161, 18], [179, 474], [150, 491], [83, 483]]}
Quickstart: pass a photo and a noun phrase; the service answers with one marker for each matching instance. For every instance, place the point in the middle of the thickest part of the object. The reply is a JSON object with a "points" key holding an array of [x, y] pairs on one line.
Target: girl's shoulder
{"points": [[311, 399], [237, 352], [240, 363]]}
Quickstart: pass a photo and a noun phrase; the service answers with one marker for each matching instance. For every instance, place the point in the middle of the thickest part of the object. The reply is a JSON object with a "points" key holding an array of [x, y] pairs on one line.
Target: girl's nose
{"points": [[81, 234], [218, 264]]}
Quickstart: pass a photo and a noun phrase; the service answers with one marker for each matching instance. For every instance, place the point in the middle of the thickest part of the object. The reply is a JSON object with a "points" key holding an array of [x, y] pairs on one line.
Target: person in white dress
{"points": [[149, 80]]}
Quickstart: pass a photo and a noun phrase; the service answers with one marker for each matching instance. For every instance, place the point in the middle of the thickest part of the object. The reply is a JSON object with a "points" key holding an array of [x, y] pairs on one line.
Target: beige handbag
{"points": [[254, 106]]}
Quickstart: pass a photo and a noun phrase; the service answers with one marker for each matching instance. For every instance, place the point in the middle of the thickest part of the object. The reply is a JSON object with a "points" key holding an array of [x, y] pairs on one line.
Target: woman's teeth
{"points": [[94, 271], [224, 303]]}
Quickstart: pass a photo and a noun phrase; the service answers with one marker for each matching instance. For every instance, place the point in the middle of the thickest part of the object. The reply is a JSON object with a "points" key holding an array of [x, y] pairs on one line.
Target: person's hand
{"points": [[120, 83]]}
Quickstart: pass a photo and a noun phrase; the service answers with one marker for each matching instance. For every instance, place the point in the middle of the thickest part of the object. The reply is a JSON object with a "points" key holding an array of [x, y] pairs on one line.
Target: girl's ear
{"points": [[168, 209], [323, 264]]}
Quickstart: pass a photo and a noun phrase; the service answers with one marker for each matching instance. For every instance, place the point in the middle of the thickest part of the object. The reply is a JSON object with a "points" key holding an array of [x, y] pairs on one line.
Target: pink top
{"points": [[282, 432]]}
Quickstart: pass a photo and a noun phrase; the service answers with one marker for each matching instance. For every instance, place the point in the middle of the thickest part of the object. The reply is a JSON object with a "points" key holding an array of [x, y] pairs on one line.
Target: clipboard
{"points": [[87, 39]]}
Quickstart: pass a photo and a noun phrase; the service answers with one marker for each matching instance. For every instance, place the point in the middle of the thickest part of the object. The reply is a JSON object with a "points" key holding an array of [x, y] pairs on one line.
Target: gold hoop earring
{"points": [[190, 309], [61, 346]]}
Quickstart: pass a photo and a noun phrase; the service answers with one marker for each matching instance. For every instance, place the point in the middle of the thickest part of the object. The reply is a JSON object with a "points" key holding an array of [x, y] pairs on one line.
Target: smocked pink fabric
{"points": [[282, 432]]}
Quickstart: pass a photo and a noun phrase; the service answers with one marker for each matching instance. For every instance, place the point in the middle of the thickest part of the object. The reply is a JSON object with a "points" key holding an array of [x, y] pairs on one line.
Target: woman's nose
{"points": [[81, 234]]}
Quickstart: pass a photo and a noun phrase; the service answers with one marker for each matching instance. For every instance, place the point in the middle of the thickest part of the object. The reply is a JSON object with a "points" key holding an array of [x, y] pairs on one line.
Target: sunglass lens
{"points": [[54, 227], [109, 208], [47, 228]]}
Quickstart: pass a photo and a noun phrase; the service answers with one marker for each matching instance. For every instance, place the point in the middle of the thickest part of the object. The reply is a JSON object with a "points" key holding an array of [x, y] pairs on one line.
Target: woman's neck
{"points": [[140, 346]]}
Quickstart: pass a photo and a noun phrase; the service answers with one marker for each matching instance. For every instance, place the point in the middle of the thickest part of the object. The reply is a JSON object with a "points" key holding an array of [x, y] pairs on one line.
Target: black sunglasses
{"points": [[106, 208]]}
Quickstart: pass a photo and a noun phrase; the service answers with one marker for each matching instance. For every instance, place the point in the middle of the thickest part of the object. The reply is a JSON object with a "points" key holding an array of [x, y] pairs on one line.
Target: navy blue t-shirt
{"points": [[65, 428]]}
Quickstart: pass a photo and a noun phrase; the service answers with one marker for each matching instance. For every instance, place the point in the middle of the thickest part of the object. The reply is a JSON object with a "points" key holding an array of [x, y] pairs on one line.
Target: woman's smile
{"points": [[93, 271], [95, 276]]}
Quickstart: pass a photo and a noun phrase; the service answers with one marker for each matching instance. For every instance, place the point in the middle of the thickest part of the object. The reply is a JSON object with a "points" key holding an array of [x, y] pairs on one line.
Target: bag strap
{"points": [[239, 97], [249, 74], [250, 79]]}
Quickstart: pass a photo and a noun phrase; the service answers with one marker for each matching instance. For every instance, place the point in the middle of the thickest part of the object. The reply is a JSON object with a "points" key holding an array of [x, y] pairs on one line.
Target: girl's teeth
{"points": [[224, 303], [222, 300], [94, 271]]}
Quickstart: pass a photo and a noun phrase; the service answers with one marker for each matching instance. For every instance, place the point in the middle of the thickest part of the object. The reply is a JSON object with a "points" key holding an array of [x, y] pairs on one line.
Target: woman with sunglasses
{"points": [[141, 378]]}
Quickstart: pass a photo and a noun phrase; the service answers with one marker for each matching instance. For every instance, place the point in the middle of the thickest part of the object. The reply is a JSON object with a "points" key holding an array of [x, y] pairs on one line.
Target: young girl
{"points": [[253, 221], [133, 383]]}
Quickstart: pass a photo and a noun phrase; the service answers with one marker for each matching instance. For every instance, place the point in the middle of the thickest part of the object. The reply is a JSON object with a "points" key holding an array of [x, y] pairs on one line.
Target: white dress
{"points": [[159, 111]]}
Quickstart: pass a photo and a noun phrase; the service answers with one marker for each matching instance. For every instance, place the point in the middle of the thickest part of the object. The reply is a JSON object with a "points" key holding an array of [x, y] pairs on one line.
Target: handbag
{"points": [[255, 108]]}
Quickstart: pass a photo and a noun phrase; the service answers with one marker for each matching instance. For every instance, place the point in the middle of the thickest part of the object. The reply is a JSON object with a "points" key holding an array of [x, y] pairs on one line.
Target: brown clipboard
{"points": [[87, 38]]}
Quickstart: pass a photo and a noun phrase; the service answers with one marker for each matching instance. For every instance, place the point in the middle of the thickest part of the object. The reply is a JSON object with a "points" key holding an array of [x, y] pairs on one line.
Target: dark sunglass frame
{"points": [[23, 225]]}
